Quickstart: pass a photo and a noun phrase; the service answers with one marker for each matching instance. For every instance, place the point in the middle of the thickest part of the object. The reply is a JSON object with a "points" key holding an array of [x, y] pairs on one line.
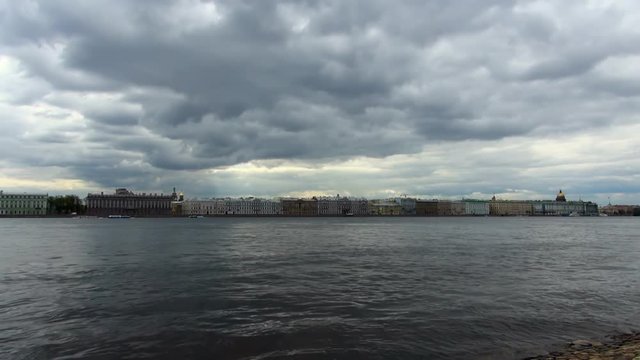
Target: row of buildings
{"points": [[402, 206], [620, 210], [128, 203]]}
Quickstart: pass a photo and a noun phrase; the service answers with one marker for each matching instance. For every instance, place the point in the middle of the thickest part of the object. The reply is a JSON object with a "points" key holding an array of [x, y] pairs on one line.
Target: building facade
{"points": [[300, 207], [128, 203], [408, 205], [23, 204], [476, 208], [510, 208], [360, 207], [426, 207], [385, 208], [564, 208], [621, 210], [232, 206], [342, 206]]}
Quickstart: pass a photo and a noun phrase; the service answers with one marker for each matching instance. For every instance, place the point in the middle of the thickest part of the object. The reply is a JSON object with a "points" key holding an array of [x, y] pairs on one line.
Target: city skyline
{"points": [[283, 98]]}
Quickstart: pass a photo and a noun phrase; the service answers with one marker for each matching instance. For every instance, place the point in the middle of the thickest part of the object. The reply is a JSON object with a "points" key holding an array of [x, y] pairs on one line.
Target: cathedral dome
{"points": [[560, 196]]}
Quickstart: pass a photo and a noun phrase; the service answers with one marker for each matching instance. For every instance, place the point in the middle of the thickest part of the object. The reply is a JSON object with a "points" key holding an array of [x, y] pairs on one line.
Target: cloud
{"points": [[123, 92]]}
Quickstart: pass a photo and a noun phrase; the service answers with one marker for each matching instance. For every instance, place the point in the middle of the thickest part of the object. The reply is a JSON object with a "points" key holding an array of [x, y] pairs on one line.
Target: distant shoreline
{"points": [[291, 216]]}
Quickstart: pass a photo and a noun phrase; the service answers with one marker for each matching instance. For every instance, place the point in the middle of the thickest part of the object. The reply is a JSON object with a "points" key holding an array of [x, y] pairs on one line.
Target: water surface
{"points": [[313, 288]]}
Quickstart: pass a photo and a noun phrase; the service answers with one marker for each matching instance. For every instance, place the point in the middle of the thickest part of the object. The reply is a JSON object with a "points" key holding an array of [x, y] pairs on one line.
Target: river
{"points": [[313, 288]]}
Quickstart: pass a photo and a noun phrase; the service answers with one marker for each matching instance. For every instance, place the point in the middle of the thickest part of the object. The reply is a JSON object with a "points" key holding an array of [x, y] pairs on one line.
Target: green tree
{"points": [[66, 205]]}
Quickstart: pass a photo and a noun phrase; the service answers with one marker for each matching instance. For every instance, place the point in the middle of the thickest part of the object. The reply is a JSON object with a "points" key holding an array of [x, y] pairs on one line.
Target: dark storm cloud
{"points": [[188, 85]]}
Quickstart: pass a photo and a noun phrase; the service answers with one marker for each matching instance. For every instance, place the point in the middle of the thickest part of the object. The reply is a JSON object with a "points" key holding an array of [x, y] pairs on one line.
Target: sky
{"points": [[433, 99]]}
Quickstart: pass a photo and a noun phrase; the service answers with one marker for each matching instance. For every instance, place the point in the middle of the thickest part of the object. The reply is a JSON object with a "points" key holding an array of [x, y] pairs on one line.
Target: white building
{"points": [[232, 206], [263, 207], [23, 204], [476, 208], [203, 207]]}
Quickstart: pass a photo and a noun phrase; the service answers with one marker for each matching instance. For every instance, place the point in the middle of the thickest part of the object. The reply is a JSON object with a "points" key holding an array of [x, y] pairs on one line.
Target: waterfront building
{"points": [[208, 207], [476, 208], [388, 207], [360, 207], [232, 206], [328, 206], [342, 206], [444, 208], [427, 207], [408, 205], [562, 207], [621, 210], [510, 208], [450, 208], [23, 204], [300, 207], [592, 209], [125, 202], [237, 207], [262, 207]]}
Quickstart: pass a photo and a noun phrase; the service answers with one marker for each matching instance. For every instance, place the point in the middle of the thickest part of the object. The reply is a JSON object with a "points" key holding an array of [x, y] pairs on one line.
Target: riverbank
{"points": [[618, 347]]}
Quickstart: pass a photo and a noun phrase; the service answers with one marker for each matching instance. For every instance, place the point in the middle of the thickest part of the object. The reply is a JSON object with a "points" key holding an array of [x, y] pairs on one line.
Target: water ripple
{"points": [[313, 288]]}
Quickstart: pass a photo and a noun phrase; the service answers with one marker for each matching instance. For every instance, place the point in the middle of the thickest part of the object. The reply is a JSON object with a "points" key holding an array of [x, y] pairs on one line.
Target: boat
{"points": [[575, 213], [196, 216], [119, 217]]}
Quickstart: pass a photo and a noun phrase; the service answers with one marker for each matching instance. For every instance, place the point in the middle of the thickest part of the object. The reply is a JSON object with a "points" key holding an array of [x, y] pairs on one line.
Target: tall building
{"points": [[23, 204], [125, 202]]}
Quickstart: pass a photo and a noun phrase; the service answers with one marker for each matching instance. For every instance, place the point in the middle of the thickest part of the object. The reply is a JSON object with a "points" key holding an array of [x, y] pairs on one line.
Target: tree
{"points": [[66, 205]]}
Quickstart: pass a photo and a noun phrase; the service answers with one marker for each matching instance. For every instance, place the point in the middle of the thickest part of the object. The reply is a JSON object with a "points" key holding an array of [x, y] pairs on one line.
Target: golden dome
{"points": [[560, 196]]}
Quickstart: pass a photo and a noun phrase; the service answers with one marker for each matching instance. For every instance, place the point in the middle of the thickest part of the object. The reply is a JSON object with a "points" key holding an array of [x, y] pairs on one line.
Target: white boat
{"points": [[119, 217], [575, 213]]}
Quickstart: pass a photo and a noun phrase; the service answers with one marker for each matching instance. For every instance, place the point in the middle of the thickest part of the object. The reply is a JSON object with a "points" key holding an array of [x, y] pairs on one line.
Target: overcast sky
{"points": [[371, 98]]}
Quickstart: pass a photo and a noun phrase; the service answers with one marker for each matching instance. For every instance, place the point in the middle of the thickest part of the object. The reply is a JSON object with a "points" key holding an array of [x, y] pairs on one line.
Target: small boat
{"points": [[196, 216], [119, 217], [348, 214], [575, 213]]}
